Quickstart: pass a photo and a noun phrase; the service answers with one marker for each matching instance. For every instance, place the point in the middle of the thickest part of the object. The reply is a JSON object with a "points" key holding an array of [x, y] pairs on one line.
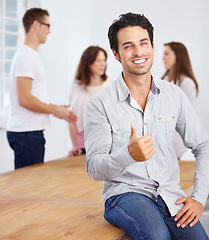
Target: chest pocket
{"points": [[120, 134], [165, 128]]}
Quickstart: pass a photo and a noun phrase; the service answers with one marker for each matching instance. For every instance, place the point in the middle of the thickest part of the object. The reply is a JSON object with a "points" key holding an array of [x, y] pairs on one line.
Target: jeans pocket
{"points": [[16, 142]]}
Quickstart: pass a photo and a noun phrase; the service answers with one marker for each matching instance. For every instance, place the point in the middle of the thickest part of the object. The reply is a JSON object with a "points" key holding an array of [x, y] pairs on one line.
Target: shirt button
{"points": [[118, 130], [145, 123], [147, 163], [173, 117], [159, 118]]}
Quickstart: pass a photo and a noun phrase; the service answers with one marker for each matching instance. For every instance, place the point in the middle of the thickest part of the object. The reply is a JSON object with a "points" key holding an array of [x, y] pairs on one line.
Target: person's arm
{"points": [[101, 162], [28, 101], [76, 151], [196, 138]]}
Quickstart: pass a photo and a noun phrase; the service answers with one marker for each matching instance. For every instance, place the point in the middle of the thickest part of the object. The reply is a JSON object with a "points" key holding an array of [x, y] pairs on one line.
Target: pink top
{"points": [[80, 138]]}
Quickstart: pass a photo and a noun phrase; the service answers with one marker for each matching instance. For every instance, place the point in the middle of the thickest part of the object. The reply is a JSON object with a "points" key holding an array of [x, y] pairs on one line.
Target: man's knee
{"points": [[152, 234]]}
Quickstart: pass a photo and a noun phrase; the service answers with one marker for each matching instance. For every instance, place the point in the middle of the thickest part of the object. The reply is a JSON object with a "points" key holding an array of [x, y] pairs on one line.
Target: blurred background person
{"points": [[179, 71], [29, 107], [90, 78]]}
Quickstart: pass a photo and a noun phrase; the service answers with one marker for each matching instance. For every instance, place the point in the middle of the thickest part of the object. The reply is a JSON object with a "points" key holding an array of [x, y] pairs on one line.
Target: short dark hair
{"points": [[126, 20], [32, 15]]}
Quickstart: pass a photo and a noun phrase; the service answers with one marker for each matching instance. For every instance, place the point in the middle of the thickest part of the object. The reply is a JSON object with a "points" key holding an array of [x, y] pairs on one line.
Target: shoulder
{"points": [[76, 86], [169, 92], [76, 89], [166, 86], [26, 55], [187, 82], [106, 94], [26, 50], [107, 81]]}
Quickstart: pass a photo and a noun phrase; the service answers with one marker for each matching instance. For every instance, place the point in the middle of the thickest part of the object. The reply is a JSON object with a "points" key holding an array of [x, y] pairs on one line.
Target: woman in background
{"points": [[179, 71], [90, 78]]}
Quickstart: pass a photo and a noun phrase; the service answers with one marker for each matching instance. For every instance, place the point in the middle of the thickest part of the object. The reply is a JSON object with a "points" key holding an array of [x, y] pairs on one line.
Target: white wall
{"points": [[61, 55], [78, 24]]}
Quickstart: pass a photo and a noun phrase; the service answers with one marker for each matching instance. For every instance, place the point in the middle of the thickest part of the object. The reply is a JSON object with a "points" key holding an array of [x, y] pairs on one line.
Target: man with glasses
{"points": [[29, 107]]}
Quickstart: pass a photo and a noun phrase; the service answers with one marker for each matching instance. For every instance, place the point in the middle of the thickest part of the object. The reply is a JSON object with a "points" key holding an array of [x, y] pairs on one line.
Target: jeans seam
{"points": [[170, 228], [163, 210], [125, 215]]}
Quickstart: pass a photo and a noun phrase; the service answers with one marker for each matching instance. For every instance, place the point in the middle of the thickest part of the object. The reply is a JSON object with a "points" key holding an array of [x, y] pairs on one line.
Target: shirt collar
{"points": [[155, 86], [124, 92]]}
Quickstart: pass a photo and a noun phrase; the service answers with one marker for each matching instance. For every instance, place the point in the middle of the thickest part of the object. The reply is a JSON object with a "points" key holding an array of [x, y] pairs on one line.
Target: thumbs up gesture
{"points": [[140, 149]]}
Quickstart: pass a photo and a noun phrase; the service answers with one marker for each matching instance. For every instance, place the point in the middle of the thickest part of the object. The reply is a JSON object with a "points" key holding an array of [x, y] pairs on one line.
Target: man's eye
{"points": [[126, 47]]}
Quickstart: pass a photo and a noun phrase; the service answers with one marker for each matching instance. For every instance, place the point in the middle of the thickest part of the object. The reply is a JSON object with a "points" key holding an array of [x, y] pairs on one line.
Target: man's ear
{"points": [[116, 55], [35, 24]]}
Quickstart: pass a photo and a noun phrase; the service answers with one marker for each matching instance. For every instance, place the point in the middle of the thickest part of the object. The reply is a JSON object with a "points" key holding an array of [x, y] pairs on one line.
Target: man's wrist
{"points": [[52, 109]]}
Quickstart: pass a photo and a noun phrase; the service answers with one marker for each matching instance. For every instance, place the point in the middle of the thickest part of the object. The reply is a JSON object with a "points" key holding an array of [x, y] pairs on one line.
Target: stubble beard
{"points": [[137, 72]]}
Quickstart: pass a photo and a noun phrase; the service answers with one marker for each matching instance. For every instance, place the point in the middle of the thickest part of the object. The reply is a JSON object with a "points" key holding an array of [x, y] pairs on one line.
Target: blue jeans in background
{"points": [[144, 218], [28, 147]]}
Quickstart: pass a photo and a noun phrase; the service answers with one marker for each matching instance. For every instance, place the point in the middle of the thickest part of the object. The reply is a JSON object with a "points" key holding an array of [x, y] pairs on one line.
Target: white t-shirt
{"points": [[27, 63], [79, 96]]}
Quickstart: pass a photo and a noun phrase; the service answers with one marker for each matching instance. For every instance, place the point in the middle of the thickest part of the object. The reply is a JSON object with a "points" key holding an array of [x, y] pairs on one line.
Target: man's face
{"points": [[44, 29], [135, 50]]}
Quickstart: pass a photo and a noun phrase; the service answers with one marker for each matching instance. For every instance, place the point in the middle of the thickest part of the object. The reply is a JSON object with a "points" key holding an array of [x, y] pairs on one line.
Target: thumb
{"points": [[181, 200], [133, 131]]}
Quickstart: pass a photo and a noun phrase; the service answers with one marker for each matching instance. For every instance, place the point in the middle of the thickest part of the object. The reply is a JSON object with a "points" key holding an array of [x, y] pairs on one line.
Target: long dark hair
{"points": [[182, 66], [88, 57]]}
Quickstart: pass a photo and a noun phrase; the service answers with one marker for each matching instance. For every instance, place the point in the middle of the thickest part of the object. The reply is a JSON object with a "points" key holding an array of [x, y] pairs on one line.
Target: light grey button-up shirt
{"points": [[107, 130]]}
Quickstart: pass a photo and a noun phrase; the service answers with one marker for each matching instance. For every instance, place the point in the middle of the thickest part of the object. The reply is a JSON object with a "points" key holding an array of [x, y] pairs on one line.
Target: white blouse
{"points": [[79, 96]]}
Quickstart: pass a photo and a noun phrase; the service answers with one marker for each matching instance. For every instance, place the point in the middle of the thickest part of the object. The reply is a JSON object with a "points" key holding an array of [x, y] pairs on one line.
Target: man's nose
{"points": [[137, 50]]}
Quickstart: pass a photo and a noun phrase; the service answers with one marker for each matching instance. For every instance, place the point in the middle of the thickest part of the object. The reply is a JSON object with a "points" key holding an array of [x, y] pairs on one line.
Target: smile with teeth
{"points": [[140, 61]]}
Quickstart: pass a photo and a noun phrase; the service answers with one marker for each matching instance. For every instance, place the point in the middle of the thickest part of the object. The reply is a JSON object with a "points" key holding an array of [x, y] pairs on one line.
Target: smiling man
{"points": [[29, 107], [129, 129]]}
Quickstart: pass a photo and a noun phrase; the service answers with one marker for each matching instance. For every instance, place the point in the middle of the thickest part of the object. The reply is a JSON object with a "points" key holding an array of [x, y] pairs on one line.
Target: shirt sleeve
{"points": [[71, 93], [74, 98], [197, 139], [101, 163], [25, 66]]}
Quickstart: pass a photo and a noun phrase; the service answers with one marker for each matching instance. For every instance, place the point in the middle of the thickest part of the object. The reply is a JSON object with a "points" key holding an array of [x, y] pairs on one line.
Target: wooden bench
{"points": [[57, 200]]}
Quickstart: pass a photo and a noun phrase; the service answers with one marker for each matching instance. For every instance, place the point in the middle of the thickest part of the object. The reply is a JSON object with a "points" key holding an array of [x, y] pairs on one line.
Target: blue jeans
{"points": [[83, 151], [144, 218], [28, 147]]}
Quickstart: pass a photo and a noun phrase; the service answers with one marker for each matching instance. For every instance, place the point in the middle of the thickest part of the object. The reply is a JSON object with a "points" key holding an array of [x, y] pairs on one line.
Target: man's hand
{"points": [[190, 213], [140, 149], [63, 112]]}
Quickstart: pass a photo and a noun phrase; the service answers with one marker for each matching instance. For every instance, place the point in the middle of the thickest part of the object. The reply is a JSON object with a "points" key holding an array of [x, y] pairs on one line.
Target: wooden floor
{"points": [[57, 200]]}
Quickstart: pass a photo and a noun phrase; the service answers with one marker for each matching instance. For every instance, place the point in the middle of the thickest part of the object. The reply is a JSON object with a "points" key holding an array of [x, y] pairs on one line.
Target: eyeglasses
{"points": [[46, 24]]}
